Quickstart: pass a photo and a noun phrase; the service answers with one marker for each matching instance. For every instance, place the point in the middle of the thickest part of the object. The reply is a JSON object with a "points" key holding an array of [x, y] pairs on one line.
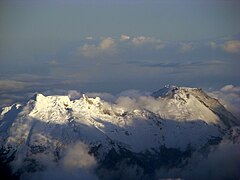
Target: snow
{"points": [[8, 108], [176, 119]]}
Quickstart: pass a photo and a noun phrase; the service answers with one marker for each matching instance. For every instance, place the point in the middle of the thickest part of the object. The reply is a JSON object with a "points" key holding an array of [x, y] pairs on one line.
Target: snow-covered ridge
{"points": [[178, 118], [184, 94], [174, 91]]}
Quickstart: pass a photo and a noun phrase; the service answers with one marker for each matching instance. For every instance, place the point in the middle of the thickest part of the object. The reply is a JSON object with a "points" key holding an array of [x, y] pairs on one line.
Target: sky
{"points": [[112, 46]]}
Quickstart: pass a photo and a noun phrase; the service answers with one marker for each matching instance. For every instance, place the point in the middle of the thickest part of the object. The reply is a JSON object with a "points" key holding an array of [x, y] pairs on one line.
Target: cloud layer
{"points": [[127, 61]]}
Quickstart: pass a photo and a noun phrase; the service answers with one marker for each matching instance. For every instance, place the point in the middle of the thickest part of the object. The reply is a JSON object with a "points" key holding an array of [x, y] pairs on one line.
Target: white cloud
{"points": [[89, 51], [76, 163], [73, 94], [78, 157], [232, 46], [106, 47], [185, 47], [149, 41], [89, 38], [126, 103], [107, 44], [104, 96], [124, 37], [230, 88], [142, 40]]}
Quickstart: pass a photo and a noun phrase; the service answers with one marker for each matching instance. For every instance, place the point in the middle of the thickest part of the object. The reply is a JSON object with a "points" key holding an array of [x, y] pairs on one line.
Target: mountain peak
{"points": [[194, 96], [170, 90], [37, 96]]}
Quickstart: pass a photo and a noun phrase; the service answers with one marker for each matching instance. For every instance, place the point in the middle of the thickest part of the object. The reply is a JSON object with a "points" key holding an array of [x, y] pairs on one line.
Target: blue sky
{"points": [[112, 46]]}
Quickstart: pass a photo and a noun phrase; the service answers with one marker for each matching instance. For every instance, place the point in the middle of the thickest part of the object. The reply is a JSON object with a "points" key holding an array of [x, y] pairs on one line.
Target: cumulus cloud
{"points": [[142, 40], [77, 157], [185, 47], [106, 47], [76, 163], [232, 46], [127, 103], [104, 96], [124, 37], [107, 43], [73, 94], [230, 88], [89, 51], [135, 100]]}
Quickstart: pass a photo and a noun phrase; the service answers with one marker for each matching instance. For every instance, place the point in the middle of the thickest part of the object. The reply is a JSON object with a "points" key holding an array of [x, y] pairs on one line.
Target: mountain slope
{"points": [[175, 120], [184, 95]]}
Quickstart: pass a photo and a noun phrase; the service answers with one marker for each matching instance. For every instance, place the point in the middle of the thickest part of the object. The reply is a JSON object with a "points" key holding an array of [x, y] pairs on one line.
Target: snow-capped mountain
{"points": [[173, 118]]}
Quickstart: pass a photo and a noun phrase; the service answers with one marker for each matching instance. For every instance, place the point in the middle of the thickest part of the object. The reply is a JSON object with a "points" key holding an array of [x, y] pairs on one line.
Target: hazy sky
{"points": [[117, 45]]}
